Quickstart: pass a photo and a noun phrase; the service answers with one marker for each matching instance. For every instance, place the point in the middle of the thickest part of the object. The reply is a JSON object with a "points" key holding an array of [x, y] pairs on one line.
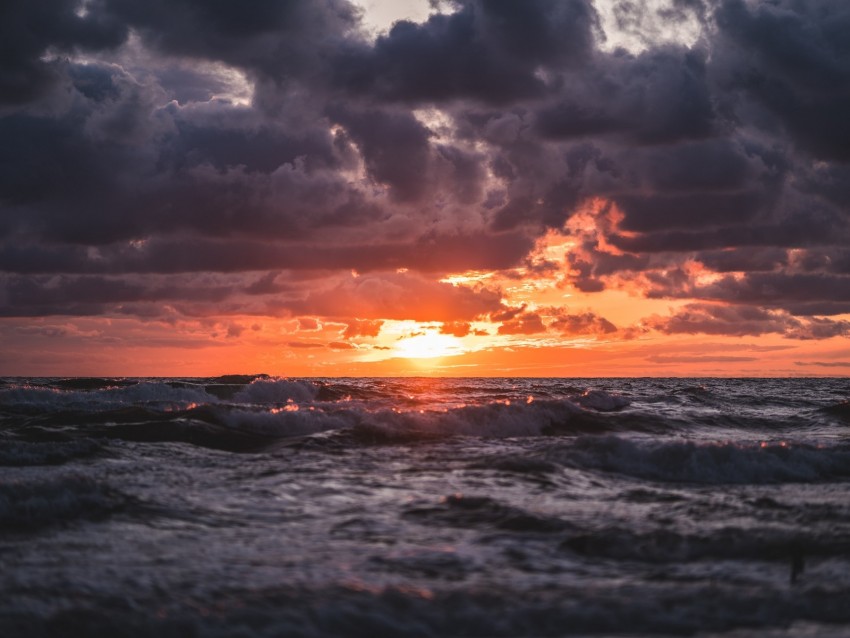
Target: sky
{"points": [[402, 187]]}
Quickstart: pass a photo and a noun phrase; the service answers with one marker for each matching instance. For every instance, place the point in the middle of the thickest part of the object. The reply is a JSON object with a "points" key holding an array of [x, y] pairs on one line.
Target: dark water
{"points": [[256, 506]]}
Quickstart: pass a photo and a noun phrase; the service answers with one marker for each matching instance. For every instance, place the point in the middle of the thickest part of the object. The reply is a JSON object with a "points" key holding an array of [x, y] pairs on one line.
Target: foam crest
{"points": [[710, 463], [492, 420], [602, 401], [272, 391]]}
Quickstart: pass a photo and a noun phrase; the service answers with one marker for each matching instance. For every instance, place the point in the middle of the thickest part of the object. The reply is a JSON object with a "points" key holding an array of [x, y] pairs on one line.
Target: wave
{"points": [[840, 410], [20, 453], [28, 506], [387, 426], [728, 543], [98, 395], [458, 510], [91, 383], [267, 410], [240, 428], [709, 463], [602, 401], [357, 608], [272, 391], [166, 395]]}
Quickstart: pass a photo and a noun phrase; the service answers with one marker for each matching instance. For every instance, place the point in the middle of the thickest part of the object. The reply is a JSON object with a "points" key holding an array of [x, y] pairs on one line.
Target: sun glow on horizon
{"points": [[428, 345]]}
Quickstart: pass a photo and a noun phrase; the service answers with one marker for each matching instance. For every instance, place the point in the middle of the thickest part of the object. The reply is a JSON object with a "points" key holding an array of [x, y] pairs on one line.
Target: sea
{"points": [[253, 506]]}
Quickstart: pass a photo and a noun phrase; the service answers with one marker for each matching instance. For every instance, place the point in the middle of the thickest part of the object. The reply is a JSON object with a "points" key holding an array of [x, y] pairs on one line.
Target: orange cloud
{"points": [[400, 296], [456, 328], [363, 328], [581, 324], [526, 323]]}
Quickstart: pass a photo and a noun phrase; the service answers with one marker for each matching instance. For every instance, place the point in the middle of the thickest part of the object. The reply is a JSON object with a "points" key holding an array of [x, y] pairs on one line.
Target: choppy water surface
{"points": [[257, 506]]}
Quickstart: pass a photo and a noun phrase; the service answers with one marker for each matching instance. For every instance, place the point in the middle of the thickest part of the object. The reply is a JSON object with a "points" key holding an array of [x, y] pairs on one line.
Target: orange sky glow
{"points": [[545, 327]]}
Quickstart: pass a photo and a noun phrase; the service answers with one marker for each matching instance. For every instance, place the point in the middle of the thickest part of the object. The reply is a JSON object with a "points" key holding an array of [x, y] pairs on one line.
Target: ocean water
{"points": [[258, 506]]}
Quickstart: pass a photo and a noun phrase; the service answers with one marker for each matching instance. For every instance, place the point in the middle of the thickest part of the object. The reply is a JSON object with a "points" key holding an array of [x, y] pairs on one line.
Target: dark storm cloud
{"points": [[660, 96], [791, 58], [95, 294], [487, 50], [805, 293], [181, 254], [142, 140], [279, 41], [394, 145], [362, 302], [28, 28]]}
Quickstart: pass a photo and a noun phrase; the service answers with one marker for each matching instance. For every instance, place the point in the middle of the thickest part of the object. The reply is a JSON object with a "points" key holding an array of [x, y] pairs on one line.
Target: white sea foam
{"points": [[270, 391]]}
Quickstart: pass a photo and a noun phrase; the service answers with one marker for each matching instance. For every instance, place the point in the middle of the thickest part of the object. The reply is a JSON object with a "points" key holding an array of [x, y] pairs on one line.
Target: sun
{"points": [[428, 345]]}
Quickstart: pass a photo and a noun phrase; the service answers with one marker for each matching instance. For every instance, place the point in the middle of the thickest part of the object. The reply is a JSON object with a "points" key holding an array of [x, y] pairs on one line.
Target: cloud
{"points": [[660, 358], [196, 158], [30, 28], [456, 328], [785, 57], [399, 296], [308, 324], [824, 364], [394, 146], [581, 323], [362, 328], [718, 319], [797, 293], [525, 323], [304, 344], [488, 52], [341, 345]]}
